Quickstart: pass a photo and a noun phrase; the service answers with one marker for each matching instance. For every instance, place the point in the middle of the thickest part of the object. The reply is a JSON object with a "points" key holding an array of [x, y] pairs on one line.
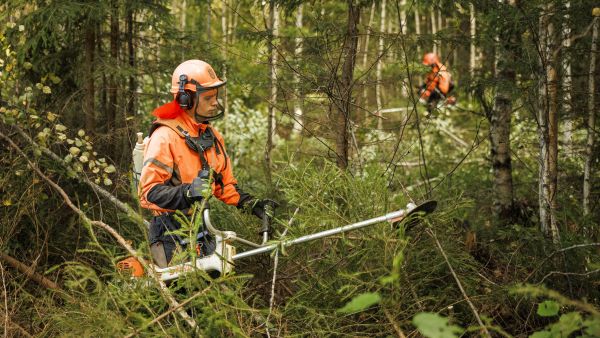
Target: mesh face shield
{"points": [[205, 113]]}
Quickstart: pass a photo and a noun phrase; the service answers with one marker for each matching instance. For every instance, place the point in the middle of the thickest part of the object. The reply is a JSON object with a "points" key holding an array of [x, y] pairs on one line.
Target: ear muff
{"points": [[184, 99]]}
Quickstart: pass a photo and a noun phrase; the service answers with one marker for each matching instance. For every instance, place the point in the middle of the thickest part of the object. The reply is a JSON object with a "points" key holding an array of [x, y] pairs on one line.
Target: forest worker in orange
{"points": [[438, 82], [182, 151]]}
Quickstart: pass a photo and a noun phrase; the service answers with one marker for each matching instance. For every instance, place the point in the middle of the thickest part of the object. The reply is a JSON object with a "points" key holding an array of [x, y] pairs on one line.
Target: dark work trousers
{"points": [[158, 232]]}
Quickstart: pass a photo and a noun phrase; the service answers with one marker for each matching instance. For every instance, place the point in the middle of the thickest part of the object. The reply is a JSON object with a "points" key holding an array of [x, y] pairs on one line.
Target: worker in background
{"points": [[183, 153], [438, 83]]}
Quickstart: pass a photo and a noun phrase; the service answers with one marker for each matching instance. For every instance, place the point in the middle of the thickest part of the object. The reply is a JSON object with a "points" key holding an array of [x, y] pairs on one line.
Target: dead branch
{"points": [[462, 290], [29, 272], [164, 290]]}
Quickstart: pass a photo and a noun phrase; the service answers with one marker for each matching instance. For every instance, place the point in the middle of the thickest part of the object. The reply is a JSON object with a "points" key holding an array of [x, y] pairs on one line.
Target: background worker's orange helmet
{"points": [[430, 59], [197, 72]]}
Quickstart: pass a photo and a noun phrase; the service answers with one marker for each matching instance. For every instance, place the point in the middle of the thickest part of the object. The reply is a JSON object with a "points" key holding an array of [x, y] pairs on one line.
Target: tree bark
{"points": [[112, 80], [418, 28], [380, 51], [473, 50], [342, 98], [271, 126], [500, 123], [131, 100], [432, 15], [591, 125], [29, 272], [365, 53], [225, 42], [299, 97], [90, 90], [548, 129], [566, 83]]}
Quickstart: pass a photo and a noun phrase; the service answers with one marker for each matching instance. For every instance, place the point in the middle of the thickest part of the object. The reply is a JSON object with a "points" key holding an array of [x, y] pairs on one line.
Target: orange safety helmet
{"points": [[200, 75], [196, 76], [430, 59]]}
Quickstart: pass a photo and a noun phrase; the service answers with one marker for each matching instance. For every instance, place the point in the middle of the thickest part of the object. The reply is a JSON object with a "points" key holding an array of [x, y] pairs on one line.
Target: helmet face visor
{"points": [[208, 106]]}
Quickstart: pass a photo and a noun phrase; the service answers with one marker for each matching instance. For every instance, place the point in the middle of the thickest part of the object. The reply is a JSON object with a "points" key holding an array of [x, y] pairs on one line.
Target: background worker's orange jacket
{"points": [[439, 78], [170, 166]]}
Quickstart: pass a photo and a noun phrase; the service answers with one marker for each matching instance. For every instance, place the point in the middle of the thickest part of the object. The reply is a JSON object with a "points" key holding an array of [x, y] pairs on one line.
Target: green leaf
{"points": [[433, 325], [548, 308], [361, 302], [541, 334], [567, 324]]}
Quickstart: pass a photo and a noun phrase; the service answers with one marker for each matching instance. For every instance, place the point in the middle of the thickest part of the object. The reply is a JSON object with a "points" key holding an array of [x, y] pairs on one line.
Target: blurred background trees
{"points": [[319, 93]]}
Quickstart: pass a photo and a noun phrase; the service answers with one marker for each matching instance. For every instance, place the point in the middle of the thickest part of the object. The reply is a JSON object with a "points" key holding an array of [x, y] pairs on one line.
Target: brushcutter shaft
{"points": [[392, 216]]}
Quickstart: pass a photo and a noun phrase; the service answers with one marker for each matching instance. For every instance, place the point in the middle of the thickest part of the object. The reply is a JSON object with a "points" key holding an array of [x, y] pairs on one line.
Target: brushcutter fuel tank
{"points": [[138, 158]]}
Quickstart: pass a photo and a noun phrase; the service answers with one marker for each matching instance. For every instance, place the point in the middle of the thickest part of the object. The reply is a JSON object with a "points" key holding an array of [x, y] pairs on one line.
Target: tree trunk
{"points": [[299, 97], [271, 126], [418, 28], [434, 30], [225, 48], [131, 100], [473, 50], [591, 127], [90, 90], [104, 88], [342, 95], [566, 84], [380, 51], [112, 80], [364, 61], [548, 129], [207, 21], [439, 29], [500, 123]]}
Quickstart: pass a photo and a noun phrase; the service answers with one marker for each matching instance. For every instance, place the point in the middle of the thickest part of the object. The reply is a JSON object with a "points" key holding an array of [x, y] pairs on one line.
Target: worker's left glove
{"points": [[265, 210]]}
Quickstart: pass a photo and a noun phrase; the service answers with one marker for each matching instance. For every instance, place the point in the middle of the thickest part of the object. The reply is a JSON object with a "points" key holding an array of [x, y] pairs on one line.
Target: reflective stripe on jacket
{"points": [[170, 165]]}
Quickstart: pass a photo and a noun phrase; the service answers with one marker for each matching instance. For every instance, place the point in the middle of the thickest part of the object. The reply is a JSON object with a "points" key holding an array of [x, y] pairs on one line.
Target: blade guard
{"points": [[412, 216]]}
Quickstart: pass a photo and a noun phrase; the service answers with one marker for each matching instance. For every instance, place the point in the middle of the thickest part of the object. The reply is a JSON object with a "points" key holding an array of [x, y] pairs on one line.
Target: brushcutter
{"points": [[222, 259]]}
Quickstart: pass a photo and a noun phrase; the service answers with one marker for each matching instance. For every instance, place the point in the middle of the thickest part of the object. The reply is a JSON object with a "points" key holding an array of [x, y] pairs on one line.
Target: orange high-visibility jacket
{"points": [[170, 165], [439, 78]]}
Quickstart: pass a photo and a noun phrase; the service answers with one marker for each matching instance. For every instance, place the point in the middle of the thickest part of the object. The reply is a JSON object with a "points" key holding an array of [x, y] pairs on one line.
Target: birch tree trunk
{"points": [[225, 48], [380, 51], [500, 123], [473, 50], [548, 129], [434, 30], [418, 28], [403, 29], [274, 31], [591, 127], [299, 97], [364, 60], [342, 93], [90, 90], [566, 84]]}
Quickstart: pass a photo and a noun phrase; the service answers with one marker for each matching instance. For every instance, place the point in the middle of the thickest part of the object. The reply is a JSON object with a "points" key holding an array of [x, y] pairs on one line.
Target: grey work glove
{"points": [[195, 190]]}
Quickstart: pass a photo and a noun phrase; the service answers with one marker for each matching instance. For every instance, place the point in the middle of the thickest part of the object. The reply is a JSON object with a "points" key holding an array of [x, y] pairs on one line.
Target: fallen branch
{"points": [[165, 291], [462, 290], [29, 272]]}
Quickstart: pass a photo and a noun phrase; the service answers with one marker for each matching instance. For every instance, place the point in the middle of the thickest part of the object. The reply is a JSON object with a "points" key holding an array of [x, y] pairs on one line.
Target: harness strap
{"points": [[198, 144]]}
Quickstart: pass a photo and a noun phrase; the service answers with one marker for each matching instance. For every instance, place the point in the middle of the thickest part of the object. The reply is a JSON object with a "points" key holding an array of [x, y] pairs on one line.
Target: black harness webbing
{"points": [[199, 145]]}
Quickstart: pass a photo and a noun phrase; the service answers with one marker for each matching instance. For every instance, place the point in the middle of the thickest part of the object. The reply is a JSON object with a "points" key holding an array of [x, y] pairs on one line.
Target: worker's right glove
{"points": [[195, 191]]}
